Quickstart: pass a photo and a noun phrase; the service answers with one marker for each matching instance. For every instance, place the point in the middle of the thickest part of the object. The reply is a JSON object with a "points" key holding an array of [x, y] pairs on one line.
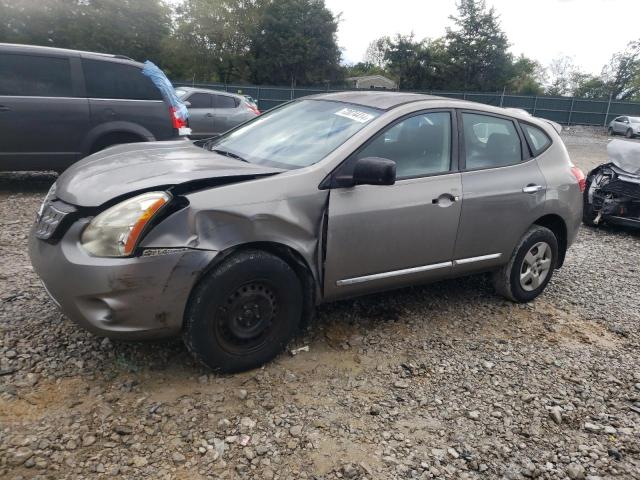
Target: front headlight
{"points": [[116, 231]]}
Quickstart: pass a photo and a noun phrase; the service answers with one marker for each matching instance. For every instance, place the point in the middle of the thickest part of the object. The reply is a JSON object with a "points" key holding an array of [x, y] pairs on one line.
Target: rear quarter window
{"points": [[537, 139], [118, 81], [224, 101], [35, 76]]}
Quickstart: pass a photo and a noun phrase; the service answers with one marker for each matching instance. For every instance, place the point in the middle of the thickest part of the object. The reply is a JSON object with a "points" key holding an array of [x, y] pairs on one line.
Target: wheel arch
{"points": [[289, 255], [113, 128], [557, 225]]}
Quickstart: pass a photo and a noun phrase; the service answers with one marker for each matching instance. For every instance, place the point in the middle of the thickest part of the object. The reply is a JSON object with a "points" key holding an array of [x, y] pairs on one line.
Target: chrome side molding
{"points": [[409, 271]]}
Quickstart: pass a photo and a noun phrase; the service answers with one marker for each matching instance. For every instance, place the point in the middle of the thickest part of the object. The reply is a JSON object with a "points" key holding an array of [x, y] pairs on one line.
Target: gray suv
{"points": [[212, 112], [231, 242], [57, 106]]}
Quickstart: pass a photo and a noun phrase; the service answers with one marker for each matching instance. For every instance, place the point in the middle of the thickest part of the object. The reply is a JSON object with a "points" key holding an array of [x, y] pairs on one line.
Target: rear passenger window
{"points": [[117, 80], [200, 100], [35, 76], [420, 145], [490, 142], [538, 140], [224, 101]]}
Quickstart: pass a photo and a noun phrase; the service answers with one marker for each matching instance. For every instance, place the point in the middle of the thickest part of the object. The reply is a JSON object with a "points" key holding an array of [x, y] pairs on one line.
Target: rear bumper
{"points": [[127, 298]]}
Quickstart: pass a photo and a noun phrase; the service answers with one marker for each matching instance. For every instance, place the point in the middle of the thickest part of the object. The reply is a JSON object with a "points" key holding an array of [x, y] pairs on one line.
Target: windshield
{"points": [[296, 135]]}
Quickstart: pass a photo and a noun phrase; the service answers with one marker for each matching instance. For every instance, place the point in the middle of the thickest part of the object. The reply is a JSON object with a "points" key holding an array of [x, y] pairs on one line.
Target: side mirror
{"points": [[187, 103], [374, 171]]}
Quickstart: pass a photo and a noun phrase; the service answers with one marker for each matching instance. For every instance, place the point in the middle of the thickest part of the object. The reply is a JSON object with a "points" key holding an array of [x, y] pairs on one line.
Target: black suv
{"points": [[57, 106]]}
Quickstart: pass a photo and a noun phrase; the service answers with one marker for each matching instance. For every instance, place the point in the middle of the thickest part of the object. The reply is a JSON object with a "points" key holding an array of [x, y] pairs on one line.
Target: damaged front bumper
{"points": [[613, 196], [128, 298]]}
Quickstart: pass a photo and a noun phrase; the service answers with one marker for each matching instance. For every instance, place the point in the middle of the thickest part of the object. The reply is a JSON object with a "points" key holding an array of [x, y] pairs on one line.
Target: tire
{"points": [[629, 133], [611, 132], [244, 312], [507, 280]]}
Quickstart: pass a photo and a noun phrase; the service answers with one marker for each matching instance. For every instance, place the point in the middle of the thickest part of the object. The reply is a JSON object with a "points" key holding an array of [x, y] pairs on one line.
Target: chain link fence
{"points": [[564, 110]]}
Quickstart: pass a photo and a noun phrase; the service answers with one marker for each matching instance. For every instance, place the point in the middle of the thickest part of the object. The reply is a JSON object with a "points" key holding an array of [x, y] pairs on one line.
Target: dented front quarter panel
{"points": [[284, 210]]}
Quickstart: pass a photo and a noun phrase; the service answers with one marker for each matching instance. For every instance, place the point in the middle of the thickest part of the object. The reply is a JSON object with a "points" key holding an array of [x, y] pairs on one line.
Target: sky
{"points": [[589, 31]]}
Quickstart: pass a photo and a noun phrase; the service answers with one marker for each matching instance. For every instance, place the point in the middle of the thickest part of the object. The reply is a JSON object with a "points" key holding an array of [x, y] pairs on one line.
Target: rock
{"points": [[11, 354], [20, 455], [402, 384], [614, 453], [247, 424], [295, 431], [178, 458], [349, 471], [474, 415], [139, 461], [241, 394], [453, 452], [123, 430], [249, 453], [575, 471], [610, 430], [556, 414], [591, 427], [88, 440]]}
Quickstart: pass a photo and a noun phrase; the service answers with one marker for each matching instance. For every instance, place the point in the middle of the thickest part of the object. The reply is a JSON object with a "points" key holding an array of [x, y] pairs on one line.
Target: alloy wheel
{"points": [[535, 266]]}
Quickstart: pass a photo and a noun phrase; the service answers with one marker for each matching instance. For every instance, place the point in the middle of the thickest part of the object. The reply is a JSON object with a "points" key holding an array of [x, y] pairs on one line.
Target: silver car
{"points": [[212, 112], [627, 126], [232, 242]]}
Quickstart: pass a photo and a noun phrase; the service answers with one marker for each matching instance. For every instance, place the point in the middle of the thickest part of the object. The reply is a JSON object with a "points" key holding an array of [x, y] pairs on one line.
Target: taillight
{"points": [[253, 109], [582, 181], [177, 122]]}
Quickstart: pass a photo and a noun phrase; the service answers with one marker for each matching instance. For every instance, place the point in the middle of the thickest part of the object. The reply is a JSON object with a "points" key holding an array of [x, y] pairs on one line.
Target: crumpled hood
{"points": [[625, 155], [129, 168]]}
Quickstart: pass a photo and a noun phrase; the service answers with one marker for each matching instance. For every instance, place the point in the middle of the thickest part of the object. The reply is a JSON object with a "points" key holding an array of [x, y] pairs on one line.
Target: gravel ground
{"points": [[444, 381]]}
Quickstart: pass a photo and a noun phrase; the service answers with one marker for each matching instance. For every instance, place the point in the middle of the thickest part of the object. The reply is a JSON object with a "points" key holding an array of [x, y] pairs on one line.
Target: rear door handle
{"points": [[531, 188], [209, 115], [4, 108]]}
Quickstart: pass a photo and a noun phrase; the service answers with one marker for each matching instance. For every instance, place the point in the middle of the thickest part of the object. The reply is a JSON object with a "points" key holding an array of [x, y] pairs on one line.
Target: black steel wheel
{"points": [[244, 312]]}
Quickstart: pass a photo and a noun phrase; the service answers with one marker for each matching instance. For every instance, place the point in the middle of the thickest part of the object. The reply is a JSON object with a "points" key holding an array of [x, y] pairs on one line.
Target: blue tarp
{"points": [[161, 81]]}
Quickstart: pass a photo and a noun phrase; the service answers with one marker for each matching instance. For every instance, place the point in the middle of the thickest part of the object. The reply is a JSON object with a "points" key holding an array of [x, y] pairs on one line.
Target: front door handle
{"points": [[445, 200], [531, 188], [209, 115], [4, 108]]}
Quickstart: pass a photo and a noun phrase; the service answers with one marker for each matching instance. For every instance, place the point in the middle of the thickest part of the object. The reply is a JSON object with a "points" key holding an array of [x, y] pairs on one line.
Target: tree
{"points": [[477, 48], [589, 86], [136, 28], [375, 52], [622, 74], [294, 42], [562, 73], [212, 38], [526, 76]]}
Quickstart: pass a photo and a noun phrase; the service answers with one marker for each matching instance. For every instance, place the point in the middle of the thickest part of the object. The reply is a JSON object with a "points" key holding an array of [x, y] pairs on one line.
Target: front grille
{"points": [[51, 220]]}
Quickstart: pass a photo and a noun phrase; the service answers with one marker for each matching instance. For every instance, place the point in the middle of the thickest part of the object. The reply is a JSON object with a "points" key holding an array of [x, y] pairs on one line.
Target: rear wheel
{"points": [[611, 132], [244, 312], [531, 266], [629, 133]]}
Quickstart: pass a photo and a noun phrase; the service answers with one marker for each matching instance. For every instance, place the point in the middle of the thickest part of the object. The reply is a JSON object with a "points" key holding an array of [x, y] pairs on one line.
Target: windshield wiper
{"points": [[226, 153]]}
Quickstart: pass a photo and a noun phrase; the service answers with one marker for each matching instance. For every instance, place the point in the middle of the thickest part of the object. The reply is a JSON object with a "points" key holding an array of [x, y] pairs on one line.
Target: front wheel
{"points": [[629, 133], [531, 266], [244, 312], [610, 132]]}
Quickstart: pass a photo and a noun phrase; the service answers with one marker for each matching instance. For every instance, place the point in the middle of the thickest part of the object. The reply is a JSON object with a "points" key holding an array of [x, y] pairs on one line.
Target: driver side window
{"points": [[420, 145]]}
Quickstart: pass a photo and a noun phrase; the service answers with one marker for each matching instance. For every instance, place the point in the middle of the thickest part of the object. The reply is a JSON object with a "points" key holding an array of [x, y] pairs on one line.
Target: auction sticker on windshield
{"points": [[355, 115]]}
